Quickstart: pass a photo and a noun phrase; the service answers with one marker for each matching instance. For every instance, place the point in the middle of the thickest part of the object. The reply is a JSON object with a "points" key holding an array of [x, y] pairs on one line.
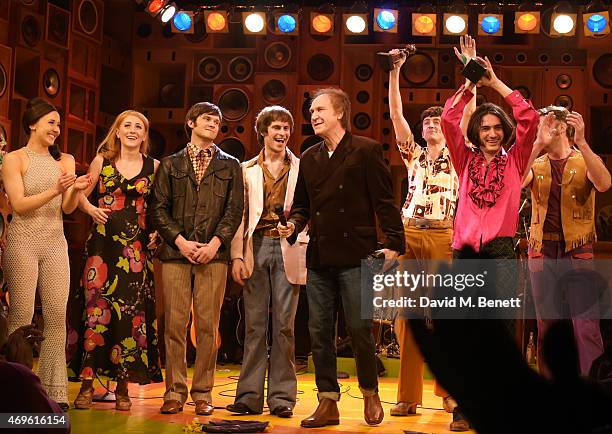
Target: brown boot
{"points": [[325, 414], [122, 398], [373, 412], [403, 408], [84, 398]]}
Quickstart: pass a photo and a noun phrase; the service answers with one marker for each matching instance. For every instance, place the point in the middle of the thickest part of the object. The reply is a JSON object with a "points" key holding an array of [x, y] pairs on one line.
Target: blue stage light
{"points": [[490, 25], [182, 21], [596, 23], [385, 20], [286, 23]]}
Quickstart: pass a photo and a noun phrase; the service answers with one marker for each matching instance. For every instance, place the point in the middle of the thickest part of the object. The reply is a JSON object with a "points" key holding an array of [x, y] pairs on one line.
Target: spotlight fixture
{"points": [[424, 21], [527, 19], [154, 7], [321, 24], [286, 24], [216, 21], [167, 13], [254, 23], [455, 20], [490, 21], [563, 20], [596, 19], [385, 20], [355, 24], [183, 22]]}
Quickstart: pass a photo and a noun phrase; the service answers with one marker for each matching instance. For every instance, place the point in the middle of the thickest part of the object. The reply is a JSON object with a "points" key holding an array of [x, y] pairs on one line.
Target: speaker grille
{"points": [[363, 72], [602, 71], [419, 69], [88, 17], [564, 81], [234, 104], [234, 147], [240, 68], [30, 31], [209, 68], [274, 91], [51, 82], [320, 67], [277, 55], [362, 121], [564, 101]]}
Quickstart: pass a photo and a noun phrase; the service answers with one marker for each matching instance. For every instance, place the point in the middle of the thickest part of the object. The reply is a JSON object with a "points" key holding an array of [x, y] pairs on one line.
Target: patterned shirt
{"points": [[275, 190], [432, 185], [200, 159]]}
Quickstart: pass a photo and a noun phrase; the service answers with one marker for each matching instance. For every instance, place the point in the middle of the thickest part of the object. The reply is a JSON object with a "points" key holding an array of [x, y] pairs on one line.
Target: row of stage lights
{"points": [[563, 17]]}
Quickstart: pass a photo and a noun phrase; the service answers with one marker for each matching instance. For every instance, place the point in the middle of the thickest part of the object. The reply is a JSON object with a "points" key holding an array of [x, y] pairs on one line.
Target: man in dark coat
{"points": [[343, 186]]}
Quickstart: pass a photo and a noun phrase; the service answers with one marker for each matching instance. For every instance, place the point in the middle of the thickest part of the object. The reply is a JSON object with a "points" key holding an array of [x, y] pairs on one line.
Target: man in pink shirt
{"points": [[489, 176]]}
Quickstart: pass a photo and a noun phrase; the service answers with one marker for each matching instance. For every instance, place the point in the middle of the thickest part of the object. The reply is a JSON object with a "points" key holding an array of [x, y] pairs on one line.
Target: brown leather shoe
{"points": [[203, 408], [373, 412], [84, 398], [122, 402], [171, 406], [403, 408], [459, 423], [325, 414]]}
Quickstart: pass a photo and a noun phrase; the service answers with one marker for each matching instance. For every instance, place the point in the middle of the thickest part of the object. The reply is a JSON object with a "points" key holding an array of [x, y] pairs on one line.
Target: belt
{"points": [[552, 236], [429, 224], [268, 232]]}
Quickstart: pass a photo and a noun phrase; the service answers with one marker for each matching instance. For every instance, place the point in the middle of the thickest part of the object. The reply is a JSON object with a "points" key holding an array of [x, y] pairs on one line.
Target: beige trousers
{"points": [[206, 294]]}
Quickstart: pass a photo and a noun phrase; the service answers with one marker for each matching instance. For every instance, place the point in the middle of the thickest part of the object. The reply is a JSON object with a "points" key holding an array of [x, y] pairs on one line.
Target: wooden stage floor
{"points": [[146, 400]]}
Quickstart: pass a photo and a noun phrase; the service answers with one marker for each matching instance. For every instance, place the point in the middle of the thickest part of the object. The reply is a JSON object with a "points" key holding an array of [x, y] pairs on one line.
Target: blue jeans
{"points": [[324, 287]]}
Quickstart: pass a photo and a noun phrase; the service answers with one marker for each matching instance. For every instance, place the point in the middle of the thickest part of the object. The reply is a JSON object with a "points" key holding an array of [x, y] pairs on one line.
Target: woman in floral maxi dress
{"points": [[116, 335]]}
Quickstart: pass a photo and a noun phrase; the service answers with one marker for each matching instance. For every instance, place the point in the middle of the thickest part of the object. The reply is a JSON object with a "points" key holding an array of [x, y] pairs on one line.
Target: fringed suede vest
{"points": [[577, 202]]}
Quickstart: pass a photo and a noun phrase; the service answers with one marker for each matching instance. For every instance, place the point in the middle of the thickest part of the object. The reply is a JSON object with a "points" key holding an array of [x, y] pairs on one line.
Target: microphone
{"points": [[386, 60], [280, 212]]}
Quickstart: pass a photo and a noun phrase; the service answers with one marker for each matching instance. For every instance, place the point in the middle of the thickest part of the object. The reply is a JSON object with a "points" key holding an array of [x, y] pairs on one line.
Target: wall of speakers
{"points": [[565, 87], [85, 60], [87, 19], [236, 104], [279, 54], [6, 69], [359, 67], [319, 56], [429, 68], [57, 30], [600, 78]]}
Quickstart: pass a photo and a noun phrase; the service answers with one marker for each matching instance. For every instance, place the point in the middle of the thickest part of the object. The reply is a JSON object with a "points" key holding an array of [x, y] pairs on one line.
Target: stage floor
{"points": [[146, 401]]}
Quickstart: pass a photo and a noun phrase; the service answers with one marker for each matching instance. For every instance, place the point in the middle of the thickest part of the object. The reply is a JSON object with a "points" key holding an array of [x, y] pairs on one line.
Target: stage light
{"points": [[596, 19], [355, 24], [286, 24], [167, 13], [155, 6], [321, 24], [216, 21], [455, 24], [490, 24], [183, 22], [563, 20], [527, 22], [385, 20], [254, 23], [423, 24]]}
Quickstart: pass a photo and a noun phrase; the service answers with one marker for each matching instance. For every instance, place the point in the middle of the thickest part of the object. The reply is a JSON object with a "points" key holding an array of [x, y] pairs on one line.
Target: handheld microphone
{"points": [[280, 212], [386, 60]]}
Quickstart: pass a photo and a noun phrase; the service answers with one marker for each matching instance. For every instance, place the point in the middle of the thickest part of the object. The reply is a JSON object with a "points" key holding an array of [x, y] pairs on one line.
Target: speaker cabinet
{"points": [[600, 78], [82, 104], [40, 75], [84, 62], [528, 80], [601, 130], [236, 104], [276, 54], [212, 68], [26, 26], [429, 68], [6, 69], [87, 19], [319, 56], [565, 87], [80, 143], [57, 29]]}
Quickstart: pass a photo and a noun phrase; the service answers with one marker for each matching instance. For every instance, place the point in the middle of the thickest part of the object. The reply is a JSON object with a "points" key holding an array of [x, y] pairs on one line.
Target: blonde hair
{"points": [[110, 148]]}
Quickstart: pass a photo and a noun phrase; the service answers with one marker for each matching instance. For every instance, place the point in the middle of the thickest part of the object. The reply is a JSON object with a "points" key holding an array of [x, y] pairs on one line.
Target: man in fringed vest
{"points": [[563, 183]]}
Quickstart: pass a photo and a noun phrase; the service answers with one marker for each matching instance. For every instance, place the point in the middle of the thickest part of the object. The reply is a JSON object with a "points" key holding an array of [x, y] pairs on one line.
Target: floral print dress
{"points": [[115, 335]]}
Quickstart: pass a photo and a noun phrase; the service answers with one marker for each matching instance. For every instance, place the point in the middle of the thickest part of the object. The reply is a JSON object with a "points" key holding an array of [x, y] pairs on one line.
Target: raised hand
{"points": [[575, 120], [399, 57], [468, 49], [489, 78], [546, 131]]}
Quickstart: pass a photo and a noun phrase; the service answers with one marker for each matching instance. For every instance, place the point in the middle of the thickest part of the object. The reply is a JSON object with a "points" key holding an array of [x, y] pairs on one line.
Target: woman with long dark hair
{"points": [[41, 183], [114, 334]]}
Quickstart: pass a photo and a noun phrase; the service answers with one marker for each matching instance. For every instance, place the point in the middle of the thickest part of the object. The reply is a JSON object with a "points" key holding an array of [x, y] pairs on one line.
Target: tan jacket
{"points": [[577, 202], [294, 256]]}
